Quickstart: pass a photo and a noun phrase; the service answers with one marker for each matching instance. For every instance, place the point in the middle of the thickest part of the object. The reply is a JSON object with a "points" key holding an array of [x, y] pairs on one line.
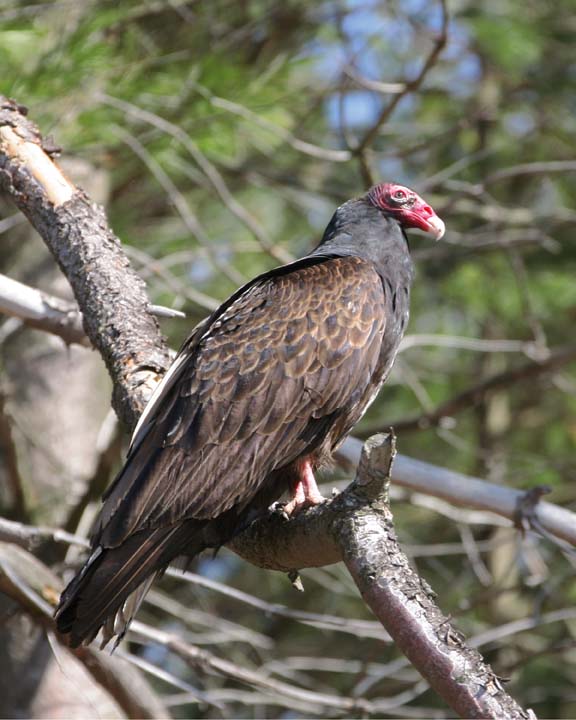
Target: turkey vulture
{"points": [[259, 396]]}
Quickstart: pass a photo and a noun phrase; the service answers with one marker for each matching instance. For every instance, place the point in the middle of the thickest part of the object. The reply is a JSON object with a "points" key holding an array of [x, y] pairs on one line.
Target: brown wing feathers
{"points": [[268, 381]]}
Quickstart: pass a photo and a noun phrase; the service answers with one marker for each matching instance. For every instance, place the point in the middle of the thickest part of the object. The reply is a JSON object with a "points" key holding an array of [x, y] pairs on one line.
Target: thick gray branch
{"points": [[357, 527], [110, 295], [470, 492]]}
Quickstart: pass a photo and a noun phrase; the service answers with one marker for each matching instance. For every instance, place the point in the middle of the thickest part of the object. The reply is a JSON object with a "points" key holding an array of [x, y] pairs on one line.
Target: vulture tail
{"points": [[109, 589]]}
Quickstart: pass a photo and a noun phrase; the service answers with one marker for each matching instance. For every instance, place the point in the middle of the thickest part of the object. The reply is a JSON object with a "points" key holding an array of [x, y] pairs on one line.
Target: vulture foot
{"points": [[305, 493]]}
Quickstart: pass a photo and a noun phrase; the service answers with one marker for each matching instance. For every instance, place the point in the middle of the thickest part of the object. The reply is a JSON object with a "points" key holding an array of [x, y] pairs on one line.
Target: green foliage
{"points": [[244, 79]]}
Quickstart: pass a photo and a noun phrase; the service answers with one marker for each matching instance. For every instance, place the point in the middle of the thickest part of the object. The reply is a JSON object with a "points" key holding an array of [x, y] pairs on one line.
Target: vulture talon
{"points": [[279, 508]]}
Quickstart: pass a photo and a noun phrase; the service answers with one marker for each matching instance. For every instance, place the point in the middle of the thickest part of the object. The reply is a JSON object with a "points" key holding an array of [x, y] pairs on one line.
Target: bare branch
{"points": [[166, 312], [323, 621], [31, 537], [149, 265], [112, 297], [467, 343], [108, 447], [227, 630], [181, 205], [42, 311], [52, 314], [384, 88], [535, 168], [467, 491], [300, 145], [193, 694], [202, 660], [25, 580], [498, 633]]}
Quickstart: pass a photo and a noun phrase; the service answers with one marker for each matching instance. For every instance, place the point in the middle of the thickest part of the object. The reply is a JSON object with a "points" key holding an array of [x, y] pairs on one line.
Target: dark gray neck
{"points": [[360, 229]]}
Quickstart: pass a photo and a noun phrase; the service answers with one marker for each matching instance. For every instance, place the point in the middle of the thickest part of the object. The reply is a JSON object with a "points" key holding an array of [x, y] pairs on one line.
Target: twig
{"points": [[149, 265], [194, 695], [534, 168], [42, 311], [254, 699], [516, 626], [31, 537], [384, 88], [467, 343], [108, 446], [166, 312], [228, 631], [209, 170], [528, 309], [473, 552], [470, 397], [409, 87], [306, 148], [181, 205], [202, 660], [324, 621]]}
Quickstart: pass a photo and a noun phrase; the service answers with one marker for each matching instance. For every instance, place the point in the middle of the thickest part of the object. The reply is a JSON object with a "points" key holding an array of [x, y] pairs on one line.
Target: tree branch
{"points": [[52, 314], [201, 660], [471, 492], [111, 296], [357, 527], [533, 168], [42, 311]]}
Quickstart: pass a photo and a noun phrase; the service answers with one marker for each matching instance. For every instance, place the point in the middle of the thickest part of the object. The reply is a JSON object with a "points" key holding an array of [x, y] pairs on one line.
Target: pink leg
{"points": [[305, 493]]}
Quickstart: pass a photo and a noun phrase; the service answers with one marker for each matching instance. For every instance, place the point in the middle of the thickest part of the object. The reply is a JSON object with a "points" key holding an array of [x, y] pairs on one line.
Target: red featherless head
{"points": [[407, 207]]}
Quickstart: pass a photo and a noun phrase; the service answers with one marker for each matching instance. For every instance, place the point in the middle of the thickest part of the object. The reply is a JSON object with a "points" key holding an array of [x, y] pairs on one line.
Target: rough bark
{"points": [[357, 527], [110, 295]]}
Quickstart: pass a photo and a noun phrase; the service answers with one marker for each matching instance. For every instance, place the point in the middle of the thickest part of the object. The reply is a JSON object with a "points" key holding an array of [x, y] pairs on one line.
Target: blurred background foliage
{"points": [[226, 134]]}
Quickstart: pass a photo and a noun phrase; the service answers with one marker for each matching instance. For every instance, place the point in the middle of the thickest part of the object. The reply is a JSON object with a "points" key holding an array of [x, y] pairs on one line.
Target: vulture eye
{"points": [[399, 195]]}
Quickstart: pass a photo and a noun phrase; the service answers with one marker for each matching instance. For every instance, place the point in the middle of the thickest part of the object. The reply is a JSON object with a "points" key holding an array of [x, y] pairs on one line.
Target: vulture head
{"points": [[407, 207]]}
